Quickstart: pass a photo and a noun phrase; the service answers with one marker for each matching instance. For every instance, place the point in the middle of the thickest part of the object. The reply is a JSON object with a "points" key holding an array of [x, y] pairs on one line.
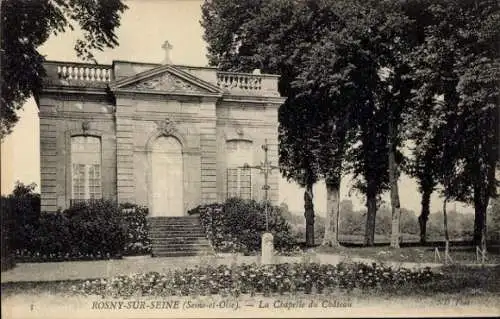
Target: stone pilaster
{"points": [[125, 177], [208, 146], [49, 166]]}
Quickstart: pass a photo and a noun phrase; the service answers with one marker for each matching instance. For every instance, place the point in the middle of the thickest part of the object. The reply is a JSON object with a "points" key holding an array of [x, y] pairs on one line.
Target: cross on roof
{"points": [[167, 46]]}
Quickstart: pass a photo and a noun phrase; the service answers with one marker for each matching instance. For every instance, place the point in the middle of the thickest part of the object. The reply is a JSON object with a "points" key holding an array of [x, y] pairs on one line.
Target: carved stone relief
{"points": [[166, 126], [167, 82], [85, 126]]}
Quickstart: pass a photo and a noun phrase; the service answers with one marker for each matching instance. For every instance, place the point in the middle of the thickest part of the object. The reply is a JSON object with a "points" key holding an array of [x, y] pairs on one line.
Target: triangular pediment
{"points": [[165, 79]]}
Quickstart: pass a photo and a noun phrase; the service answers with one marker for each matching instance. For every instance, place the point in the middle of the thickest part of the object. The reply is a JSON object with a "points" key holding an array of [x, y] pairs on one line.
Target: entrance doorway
{"points": [[167, 178]]}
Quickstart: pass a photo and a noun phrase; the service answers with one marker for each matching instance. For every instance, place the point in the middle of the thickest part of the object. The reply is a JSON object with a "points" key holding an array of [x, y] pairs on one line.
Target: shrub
{"points": [[237, 225], [18, 209], [137, 240], [97, 228], [8, 234], [88, 230], [25, 203]]}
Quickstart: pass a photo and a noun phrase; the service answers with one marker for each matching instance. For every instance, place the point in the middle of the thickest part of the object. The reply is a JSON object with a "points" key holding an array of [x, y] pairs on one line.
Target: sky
{"points": [[144, 28]]}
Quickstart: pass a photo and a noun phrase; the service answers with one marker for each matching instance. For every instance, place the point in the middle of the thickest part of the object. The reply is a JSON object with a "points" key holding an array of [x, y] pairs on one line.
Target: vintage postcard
{"points": [[249, 158]]}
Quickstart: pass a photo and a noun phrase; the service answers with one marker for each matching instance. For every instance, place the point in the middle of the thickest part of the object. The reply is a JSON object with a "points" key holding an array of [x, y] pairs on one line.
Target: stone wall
{"points": [[61, 117], [202, 108], [193, 124], [255, 122]]}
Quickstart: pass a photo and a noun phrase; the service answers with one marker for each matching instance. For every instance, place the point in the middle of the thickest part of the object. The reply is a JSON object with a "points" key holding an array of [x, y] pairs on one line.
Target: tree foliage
{"points": [[362, 80], [26, 25], [344, 69], [275, 37], [457, 60]]}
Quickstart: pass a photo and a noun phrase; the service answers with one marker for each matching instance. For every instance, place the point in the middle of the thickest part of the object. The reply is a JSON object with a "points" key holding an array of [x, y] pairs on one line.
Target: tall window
{"points": [[85, 168], [239, 179]]}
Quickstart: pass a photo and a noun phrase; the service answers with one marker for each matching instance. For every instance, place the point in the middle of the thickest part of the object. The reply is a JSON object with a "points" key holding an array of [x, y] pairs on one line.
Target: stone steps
{"points": [[176, 227], [180, 253], [177, 236], [180, 247], [168, 242]]}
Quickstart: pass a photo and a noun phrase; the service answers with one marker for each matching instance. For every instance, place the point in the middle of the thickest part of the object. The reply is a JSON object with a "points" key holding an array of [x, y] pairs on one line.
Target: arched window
{"points": [[85, 168], [239, 178]]}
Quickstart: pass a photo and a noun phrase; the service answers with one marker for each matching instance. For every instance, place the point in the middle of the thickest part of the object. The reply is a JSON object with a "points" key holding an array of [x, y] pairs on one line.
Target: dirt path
{"points": [[53, 306]]}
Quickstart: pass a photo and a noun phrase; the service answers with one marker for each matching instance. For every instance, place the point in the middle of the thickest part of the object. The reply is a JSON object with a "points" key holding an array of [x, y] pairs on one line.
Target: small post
{"points": [[267, 249], [447, 257], [480, 255], [446, 247], [437, 257]]}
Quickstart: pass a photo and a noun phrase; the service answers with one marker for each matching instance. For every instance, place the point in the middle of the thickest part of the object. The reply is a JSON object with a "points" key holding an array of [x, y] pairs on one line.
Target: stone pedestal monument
{"points": [[267, 249]]}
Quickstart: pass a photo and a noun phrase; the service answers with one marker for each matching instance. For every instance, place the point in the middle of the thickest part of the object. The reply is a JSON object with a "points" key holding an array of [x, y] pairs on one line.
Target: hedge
{"points": [[99, 229], [20, 208]]}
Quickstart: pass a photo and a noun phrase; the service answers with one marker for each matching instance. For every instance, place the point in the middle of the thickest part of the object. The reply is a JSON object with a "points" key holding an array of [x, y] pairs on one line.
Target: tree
{"points": [[276, 36], [422, 165], [296, 160], [494, 219], [396, 103], [330, 165], [458, 60], [357, 105], [225, 31], [26, 25], [423, 169], [332, 126], [368, 160], [344, 69]]}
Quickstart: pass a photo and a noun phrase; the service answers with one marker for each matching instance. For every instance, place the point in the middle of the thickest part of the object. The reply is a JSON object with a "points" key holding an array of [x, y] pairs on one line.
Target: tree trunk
{"points": [[309, 215], [332, 214], [424, 215], [446, 235], [483, 238], [371, 205], [393, 180], [480, 226], [480, 207]]}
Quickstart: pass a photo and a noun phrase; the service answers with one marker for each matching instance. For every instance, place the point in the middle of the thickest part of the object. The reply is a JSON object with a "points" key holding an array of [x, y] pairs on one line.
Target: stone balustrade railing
{"points": [[241, 81], [84, 72], [98, 75], [246, 83]]}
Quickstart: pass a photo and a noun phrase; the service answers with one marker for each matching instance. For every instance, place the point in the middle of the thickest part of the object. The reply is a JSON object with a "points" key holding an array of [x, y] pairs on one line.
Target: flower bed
{"points": [[251, 279]]}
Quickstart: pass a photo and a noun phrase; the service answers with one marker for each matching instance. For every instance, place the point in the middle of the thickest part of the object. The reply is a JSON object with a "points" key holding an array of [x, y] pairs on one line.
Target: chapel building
{"points": [[168, 137]]}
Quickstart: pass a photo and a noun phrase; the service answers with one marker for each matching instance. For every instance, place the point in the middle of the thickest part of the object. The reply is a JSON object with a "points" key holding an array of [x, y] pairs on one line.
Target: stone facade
{"points": [[129, 106]]}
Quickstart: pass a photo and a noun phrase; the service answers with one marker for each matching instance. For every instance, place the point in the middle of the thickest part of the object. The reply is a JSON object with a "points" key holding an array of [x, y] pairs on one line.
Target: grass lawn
{"points": [[460, 252]]}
